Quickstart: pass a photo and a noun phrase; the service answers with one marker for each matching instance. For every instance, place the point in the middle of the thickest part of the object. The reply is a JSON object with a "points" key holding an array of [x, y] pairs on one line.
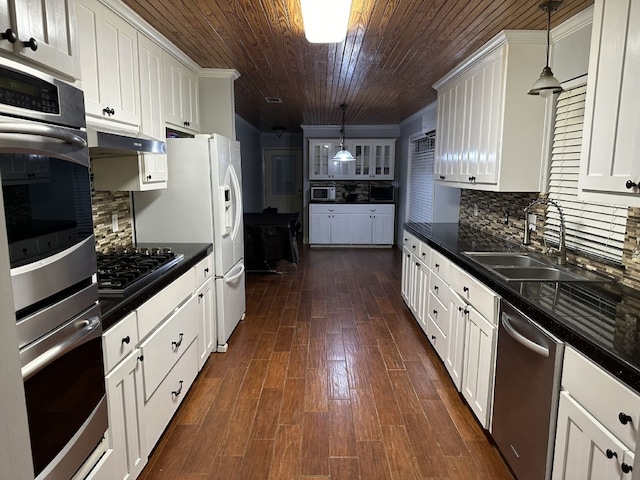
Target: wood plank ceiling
{"points": [[394, 51]]}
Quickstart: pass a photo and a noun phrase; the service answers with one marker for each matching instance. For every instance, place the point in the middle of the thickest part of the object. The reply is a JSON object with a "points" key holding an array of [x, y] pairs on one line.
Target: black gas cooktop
{"points": [[124, 270]]}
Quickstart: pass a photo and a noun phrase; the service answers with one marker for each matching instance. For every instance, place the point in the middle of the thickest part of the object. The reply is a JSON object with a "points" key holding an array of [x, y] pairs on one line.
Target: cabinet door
{"points": [[363, 163], [487, 93], [422, 292], [382, 228], [610, 148], [319, 154], [583, 446], [341, 228], [454, 355], [154, 168], [5, 23], [189, 92], [361, 228], [126, 424], [207, 335], [383, 159], [479, 363], [152, 96], [319, 228], [108, 48], [52, 25], [405, 285], [446, 160], [181, 94]]}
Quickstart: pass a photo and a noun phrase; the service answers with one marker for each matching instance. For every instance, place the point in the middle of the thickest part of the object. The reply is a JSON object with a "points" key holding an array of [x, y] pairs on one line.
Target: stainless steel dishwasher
{"points": [[528, 366]]}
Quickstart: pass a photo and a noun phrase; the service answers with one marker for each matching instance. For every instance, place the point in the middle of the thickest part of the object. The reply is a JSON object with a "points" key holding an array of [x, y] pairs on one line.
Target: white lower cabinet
{"points": [[126, 402], [152, 356], [459, 316], [598, 420], [350, 224]]}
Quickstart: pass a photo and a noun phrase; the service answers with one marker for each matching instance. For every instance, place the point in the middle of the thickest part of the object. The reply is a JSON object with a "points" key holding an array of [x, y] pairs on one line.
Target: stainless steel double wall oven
{"points": [[44, 168]]}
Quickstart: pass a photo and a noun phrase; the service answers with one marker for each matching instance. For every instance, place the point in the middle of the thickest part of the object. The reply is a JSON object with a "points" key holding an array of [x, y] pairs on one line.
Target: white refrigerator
{"points": [[202, 203]]}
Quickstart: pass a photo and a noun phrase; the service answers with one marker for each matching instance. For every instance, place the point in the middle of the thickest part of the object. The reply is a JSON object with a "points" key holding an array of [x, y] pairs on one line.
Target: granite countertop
{"points": [[115, 308], [601, 320]]}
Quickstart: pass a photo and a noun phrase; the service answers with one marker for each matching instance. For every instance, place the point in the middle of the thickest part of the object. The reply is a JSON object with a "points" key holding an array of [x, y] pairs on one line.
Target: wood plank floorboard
{"points": [[328, 377]]}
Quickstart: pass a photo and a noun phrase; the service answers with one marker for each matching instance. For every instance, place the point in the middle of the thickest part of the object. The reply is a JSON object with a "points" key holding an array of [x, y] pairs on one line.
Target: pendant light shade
{"points": [[547, 84], [343, 154]]}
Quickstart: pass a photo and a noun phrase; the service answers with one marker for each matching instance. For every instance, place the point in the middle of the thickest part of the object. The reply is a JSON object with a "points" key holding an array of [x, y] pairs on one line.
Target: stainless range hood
{"points": [[104, 144]]}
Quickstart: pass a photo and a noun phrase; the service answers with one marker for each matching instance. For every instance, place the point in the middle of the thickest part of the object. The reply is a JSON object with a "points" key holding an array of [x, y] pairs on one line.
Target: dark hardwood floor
{"points": [[328, 377]]}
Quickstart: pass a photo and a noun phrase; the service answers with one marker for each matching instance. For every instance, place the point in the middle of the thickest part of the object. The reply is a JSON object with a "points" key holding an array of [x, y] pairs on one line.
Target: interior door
{"points": [[283, 179]]}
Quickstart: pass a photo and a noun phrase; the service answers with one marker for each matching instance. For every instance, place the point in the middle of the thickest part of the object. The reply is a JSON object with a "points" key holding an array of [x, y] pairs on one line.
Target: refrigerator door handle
{"points": [[235, 276], [238, 202]]}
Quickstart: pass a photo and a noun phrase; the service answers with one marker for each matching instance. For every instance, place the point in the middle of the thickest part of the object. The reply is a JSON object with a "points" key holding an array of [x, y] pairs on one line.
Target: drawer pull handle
{"points": [[433, 337], [435, 312], [626, 468], [175, 393], [465, 289], [206, 270], [178, 343], [126, 340], [624, 418], [610, 453], [435, 287], [437, 265]]}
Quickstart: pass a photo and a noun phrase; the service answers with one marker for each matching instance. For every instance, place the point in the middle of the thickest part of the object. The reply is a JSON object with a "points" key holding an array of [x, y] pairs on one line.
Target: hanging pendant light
{"points": [[547, 84], [343, 154]]}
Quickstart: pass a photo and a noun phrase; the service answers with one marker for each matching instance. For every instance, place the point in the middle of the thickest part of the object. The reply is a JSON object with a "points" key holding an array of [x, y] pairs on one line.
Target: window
{"points": [[420, 179], [591, 228]]}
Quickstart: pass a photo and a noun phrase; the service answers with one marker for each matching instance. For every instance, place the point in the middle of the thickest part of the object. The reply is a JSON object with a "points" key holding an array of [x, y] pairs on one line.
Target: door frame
{"points": [[264, 173]]}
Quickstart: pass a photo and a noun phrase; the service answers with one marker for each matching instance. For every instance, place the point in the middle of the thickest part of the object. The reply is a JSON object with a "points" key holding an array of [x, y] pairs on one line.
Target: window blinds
{"points": [[591, 228], [420, 184]]}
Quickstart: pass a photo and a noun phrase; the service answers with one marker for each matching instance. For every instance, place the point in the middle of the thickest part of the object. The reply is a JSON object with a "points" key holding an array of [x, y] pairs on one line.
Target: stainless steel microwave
{"points": [[323, 193]]}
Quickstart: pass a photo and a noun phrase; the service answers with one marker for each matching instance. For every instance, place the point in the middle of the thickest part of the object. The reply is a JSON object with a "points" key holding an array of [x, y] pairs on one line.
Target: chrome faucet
{"points": [[562, 250]]}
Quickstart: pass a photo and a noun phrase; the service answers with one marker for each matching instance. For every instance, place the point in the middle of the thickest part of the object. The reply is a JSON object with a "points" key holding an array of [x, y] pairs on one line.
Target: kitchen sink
{"points": [[511, 259], [532, 267]]}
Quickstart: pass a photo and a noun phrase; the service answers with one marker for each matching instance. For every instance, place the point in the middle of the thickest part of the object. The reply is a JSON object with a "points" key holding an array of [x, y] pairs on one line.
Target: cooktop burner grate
{"points": [[124, 270]]}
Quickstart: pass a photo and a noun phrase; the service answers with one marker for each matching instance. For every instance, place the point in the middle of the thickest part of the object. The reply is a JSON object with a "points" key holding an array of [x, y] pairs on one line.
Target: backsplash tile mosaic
{"points": [[501, 214], [104, 206]]}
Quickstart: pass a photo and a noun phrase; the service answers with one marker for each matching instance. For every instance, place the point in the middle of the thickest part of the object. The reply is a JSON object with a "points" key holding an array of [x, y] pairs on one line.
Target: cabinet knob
{"points": [[465, 289], [108, 111], [624, 418], [435, 287], [437, 265], [610, 453], [31, 43], [186, 124], [148, 177], [442, 177], [435, 312], [141, 358], [417, 264], [626, 468], [200, 295], [433, 337], [126, 340], [631, 184], [10, 36], [472, 179]]}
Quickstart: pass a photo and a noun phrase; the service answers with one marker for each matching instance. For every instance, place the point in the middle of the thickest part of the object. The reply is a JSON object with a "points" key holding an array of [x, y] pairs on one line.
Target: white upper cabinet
{"points": [[489, 133], [610, 156], [108, 48], [151, 89], [375, 160], [181, 95], [43, 33]]}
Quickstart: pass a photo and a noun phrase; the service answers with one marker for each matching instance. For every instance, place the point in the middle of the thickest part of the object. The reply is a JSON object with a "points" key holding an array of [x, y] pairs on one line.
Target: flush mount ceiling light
{"points": [[343, 154], [547, 84], [325, 21]]}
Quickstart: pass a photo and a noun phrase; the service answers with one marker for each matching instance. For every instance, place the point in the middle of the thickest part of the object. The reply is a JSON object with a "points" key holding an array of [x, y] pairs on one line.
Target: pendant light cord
{"points": [[548, 31], [344, 110]]}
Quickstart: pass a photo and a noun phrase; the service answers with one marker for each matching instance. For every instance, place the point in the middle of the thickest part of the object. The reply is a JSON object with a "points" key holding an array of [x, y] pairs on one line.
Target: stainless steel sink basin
{"points": [[511, 259], [532, 267]]}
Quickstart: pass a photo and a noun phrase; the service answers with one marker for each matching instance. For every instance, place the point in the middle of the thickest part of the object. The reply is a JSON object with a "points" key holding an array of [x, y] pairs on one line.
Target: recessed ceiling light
{"points": [[273, 99]]}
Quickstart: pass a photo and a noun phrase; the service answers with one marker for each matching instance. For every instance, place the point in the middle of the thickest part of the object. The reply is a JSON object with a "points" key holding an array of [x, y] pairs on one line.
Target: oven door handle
{"points": [[89, 327], [44, 131]]}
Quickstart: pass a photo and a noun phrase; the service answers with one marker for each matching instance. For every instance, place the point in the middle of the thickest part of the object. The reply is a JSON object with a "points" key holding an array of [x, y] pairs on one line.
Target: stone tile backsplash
{"points": [[501, 214], [104, 206]]}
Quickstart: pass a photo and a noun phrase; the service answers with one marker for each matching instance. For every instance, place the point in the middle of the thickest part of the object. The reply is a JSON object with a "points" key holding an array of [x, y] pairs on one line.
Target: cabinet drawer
{"points": [[437, 338], [602, 395], [321, 209], [411, 242], [425, 254], [119, 341], [154, 311], [370, 208], [439, 289], [485, 300], [167, 398], [167, 344], [439, 313], [440, 265], [204, 270]]}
